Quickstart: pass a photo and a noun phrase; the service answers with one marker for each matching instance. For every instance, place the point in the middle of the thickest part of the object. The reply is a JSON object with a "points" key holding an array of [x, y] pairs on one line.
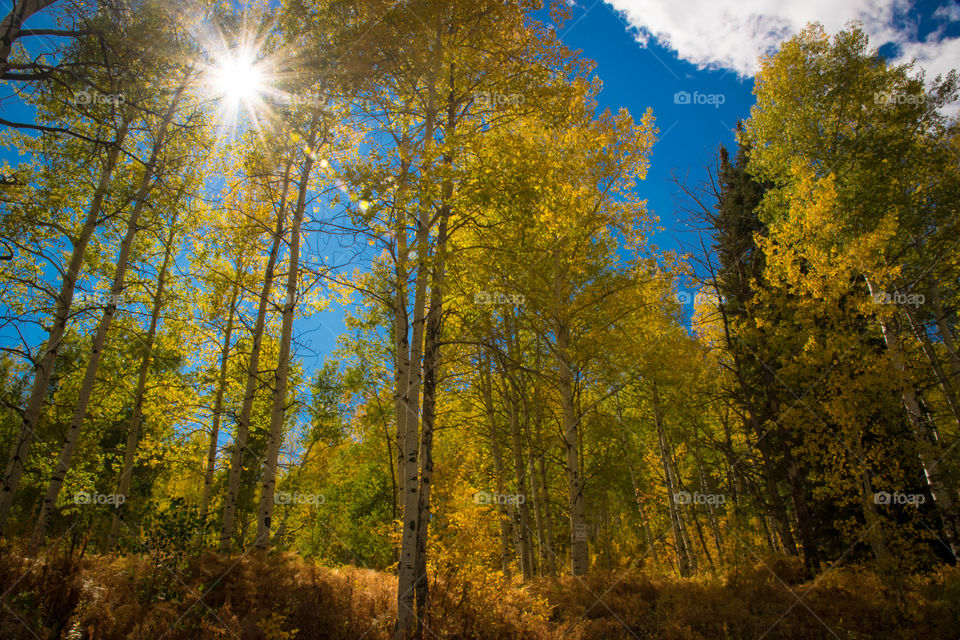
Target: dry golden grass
{"points": [[282, 597]]}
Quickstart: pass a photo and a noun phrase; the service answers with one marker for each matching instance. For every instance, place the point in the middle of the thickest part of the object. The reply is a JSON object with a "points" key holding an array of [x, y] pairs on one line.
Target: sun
{"points": [[237, 78], [239, 81]]}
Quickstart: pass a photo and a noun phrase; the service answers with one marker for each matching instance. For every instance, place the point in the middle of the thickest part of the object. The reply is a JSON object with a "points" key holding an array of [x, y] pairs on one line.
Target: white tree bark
{"points": [[277, 411], [408, 450], [253, 377], [410, 378], [133, 433], [431, 367], [579, 549], [680, 543], [486, 390], [45, 363], [946, 332], [628, 457], [211, 462], [100, 338], [926, 449]]}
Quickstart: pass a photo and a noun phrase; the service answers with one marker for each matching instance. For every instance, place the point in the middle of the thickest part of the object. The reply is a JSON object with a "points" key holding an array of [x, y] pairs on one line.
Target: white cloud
{"points": [[934, 57], [734, 35], [948, 13]]}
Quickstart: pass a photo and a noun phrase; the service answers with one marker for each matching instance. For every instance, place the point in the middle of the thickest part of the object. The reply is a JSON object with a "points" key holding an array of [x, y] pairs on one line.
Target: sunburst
{"points": [[238, 78], [239, 82], [244, 77]]}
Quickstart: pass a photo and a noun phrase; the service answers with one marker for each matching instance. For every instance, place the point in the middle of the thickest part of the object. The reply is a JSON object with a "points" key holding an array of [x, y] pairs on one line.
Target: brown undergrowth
{"points": [[282, 597]]}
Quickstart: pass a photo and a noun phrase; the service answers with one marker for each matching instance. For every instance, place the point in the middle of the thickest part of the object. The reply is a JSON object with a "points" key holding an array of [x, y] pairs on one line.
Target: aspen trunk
{"points": [[651, 543], [487, 394], [133, 433], [211, 461], [677, 483], [944, 380], [651, 546], [408, 452], [278, 411], [701, 537], [535, 497], [537, 512], [411, 589], [253, 376], [514, 393], [409, 443], [926, 448], [711, 514], [811, 554], [548, 519], [874, 533], [100, 338], [431, 367], [946, 333], [579, 550], [548, 558], [506, 534], [410, 373], [682, 509], [768, 533], [683, 558], [44, 365], [520, 477], [407, 472]]}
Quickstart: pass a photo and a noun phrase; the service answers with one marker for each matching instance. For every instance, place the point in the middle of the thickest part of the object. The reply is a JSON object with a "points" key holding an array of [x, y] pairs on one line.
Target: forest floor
{"points": [[282, 597]]}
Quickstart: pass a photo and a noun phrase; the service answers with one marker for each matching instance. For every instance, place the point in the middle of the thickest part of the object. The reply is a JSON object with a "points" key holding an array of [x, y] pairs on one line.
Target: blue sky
{"points": [[638, 77]]}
